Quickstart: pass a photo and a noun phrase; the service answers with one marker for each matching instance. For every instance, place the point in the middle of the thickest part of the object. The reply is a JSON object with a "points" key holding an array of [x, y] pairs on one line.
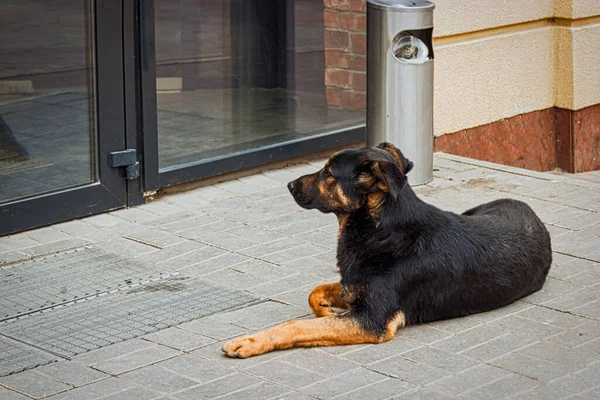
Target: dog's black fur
{"points": [[397, 253]]}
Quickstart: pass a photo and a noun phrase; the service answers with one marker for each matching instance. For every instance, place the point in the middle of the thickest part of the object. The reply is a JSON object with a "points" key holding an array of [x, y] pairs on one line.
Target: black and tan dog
{"points": [[403, 261]]}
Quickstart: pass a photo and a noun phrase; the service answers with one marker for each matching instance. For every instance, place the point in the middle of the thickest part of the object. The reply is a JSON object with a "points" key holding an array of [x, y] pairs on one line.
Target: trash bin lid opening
{"points": [[402, 5]]}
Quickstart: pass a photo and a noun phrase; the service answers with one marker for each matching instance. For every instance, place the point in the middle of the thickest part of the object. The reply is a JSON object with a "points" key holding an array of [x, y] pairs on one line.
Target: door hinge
{"points": [[125, 158]]}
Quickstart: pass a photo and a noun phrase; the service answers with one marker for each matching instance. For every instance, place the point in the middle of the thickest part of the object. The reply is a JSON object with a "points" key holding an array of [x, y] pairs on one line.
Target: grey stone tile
{"points": [[10, 257], [423, 333], [424, 394], [177, 250], [156, 238], [580, 221], [502, 388], [263, 315], [262, 391], [385, 389], [592, 394], [47, 235], [514, 323], [588, 278], [233, 278], [83, 230], [367, 354], [219, 387], [533, 367], [179, 339], [227, 241], [575, 383], [285, 284], [18, 241], [407, 370], [34, 384], [116, 350], [72, 373], [158, 379], [440, 359], [126, 247], [191, 221], [55, 247], [254, 234], [551, 352], [137, 359], [578, 335], [209, 229], [553, 289], [214, 354], [272, 247], [162, 208], [136, 393], [296, 253], [96, 390], [319, 361], [304, 226], [590, 310], [455, 325], [195, 257], [584, 249], [285, 373], [498, 346], [195, 368], [213, 328], [540, 392], [477, 376], [551, 317], [572, 300], [572, 268], [6, 394], [343, 383], [469, 338], [263, 269], [135, 214], [555, 216]]}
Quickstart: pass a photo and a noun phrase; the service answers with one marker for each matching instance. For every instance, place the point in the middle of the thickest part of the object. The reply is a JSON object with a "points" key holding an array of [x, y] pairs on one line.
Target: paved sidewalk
{"points": [[248, 234]]}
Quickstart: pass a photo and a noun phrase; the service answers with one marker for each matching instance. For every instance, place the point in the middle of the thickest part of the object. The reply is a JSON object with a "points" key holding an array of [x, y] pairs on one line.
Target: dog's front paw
{"points": [[245, 347]]}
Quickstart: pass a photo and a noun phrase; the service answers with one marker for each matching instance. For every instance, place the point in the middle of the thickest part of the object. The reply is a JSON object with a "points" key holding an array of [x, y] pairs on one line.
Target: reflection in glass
{"points": [[46, 96], [235, 75]]}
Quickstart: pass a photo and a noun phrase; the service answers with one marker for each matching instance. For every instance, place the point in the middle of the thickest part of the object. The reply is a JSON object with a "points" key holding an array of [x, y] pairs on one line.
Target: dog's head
{"points": [[353, 179]]}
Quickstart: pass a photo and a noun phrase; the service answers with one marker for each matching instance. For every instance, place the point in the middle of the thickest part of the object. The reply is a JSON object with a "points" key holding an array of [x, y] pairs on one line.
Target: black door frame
{"points": [[110, 191], [155, 178]]}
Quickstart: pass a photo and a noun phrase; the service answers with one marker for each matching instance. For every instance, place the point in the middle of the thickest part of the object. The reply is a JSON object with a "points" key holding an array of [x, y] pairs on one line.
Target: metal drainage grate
{"points": [[16, 357], [81, 326], [66, 277]]}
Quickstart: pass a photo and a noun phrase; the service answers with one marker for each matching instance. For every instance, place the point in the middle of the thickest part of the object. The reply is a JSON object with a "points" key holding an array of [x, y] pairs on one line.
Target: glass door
{"points": [[61, 110], [235, 83]]}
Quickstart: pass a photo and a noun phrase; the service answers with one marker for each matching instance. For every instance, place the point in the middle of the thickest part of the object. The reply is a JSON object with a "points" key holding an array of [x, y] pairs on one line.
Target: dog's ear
{"points": [[404, 163], [383, 176]]}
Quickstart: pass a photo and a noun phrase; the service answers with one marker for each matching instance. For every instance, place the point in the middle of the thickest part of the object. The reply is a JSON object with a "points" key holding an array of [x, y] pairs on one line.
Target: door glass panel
{"points": [[235, 75], [47, 129]]}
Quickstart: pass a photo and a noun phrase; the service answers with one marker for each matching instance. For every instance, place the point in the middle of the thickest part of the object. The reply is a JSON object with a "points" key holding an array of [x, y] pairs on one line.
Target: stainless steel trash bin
{"points": [[400, 80]]}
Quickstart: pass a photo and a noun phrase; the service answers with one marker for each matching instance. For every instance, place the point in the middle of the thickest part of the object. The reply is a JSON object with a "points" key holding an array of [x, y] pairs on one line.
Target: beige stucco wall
{"points": [[496, 59]]}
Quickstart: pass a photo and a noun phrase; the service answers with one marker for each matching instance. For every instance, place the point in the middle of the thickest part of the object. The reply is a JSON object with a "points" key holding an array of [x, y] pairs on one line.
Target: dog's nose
{"points": [[292, 185]]}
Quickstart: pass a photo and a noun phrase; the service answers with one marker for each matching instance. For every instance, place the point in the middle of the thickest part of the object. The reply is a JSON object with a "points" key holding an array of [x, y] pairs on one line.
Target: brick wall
{"points": [[345, 54]]}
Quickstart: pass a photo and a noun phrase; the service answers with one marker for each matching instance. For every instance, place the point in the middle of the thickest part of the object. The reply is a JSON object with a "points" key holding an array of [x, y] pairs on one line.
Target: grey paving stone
{"points": [[55, 247], [161, 207], [201, 255], [213, 328], [272, 247], [137, 359], [83, 230], [10, 257], [343, 383], [590, 310], [575, 383], [230, 277], [319, 361], [584, 249], [580, 221], [502, 388], [423, 333], [177, 250], [219, 387], [227, 241], [533, 367], [470, 338], [304, 226], [468, 379], [47, 235], [455, 325], [552, 317], [189, 221], [136, 393], [540, 392], [424, 394], [296, 253], [195, 368], [209, 229], [285, 373], [385, 389], [578, 335], [158, 379], [263, 269], [592, 394], [126, 247], [18, 241], [498, 346], [115, 350], [572, 269], [588, 278], [255, 234], [262, 315], [553, 289], [179, 339], [96, 390], [262, 391], [574, 299], [407, 370], [552, 352], [135, 214], [34, 384], [285, 284], [514, 323], [72, 373], [440, 359], [214, 354], [156, 238], [367, 354], [6, 394]]}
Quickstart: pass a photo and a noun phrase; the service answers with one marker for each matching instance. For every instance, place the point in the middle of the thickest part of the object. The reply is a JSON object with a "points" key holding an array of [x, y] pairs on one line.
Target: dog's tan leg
{"points": [[324, 297], [327, 331]]}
